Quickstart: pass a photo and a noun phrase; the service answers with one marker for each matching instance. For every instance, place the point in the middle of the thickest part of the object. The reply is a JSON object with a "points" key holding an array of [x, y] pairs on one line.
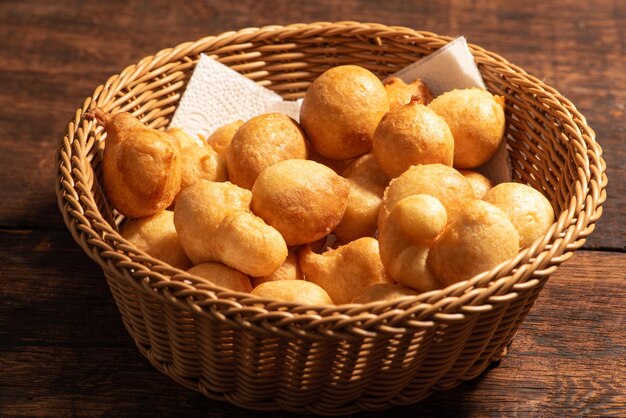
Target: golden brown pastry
{"points": [[440, 181], [214, 223], [199, 161], [222, 137], [345, 272], [223, 276], [405, 239], [480, 184], [529, 211], [289, 270], [302, 199], [367, 184], [366, 167], [141, 166], [383, 292], [296, 291], [341, 110], [261, 142], [400, 93], [476, 119], [336, 165], [481, 237], [412, 134], [156, 236]]}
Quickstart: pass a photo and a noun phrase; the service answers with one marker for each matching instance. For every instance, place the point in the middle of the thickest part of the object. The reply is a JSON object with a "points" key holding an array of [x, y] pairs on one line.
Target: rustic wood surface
{"points": [[63, 348]]}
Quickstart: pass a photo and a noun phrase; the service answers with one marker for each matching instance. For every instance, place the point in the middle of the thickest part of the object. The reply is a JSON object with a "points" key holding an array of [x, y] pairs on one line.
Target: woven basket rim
{"points": [[106, 246]]}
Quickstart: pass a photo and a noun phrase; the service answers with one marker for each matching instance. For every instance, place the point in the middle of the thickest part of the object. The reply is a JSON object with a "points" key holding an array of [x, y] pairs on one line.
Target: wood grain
{"points": [[64, 350]]}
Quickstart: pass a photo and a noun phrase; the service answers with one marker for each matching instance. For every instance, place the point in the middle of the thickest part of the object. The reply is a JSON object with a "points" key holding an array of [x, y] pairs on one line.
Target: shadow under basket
{"points": [[268, 355]]}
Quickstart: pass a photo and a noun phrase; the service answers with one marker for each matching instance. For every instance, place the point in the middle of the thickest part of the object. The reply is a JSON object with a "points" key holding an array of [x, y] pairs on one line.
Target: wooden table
{"points": [[63, 348]]}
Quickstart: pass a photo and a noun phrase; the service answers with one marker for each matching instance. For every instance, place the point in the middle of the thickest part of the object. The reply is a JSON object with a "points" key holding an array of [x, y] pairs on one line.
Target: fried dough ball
{"points": [[261, 142], [400, 93], [302, 199], [141, 166], [199, 161], [214, 223], [289, 270], [156, 236], [341, 110], [405, 240], [481, 237], [345, 272], [440, 181], [529, 210], [383, 292], [296, 291], [367, 184], [480, 184], [366, 167], [476, 119], [223, 276], [412, 134], [222, 137], [336, 165]]}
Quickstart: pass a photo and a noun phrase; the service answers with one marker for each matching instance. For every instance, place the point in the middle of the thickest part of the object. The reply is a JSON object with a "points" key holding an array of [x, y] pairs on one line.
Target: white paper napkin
{"points": [[216, 95], [450, 67]]}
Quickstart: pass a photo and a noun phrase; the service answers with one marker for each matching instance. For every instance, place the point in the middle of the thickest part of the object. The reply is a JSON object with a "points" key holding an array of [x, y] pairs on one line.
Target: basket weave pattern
{"points": [[268, 355]]}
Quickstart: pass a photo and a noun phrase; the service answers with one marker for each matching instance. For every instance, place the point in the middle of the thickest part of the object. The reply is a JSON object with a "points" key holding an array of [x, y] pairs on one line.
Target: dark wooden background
{"points": [[63, 349]]}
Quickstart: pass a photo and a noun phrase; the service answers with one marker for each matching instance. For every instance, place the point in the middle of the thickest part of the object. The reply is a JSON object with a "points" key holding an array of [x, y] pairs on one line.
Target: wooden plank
{"points": [[64, 351], [54, 56], [52, 294]]}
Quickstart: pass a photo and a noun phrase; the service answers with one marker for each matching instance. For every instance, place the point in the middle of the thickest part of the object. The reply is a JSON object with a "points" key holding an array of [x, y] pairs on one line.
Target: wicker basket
{"points": [[268, 355]]}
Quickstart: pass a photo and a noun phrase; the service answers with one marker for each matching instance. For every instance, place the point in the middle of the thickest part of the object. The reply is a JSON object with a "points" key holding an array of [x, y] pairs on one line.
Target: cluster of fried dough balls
{"points": [[199, 160], [406, 236], [215, 224], [362, 201]]}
